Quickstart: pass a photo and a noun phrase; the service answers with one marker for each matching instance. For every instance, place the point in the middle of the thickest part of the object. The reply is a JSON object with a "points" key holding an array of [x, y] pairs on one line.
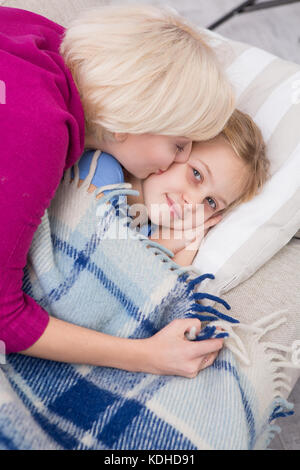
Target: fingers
{"points": [[205, 352], [189, 328], [184, 357], [183, 326], [201, 363], [207, 361], [194, 236], [207, 346], [212, 221]]}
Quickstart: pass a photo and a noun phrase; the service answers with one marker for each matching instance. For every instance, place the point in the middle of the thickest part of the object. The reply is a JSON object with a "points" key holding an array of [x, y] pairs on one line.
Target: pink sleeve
{"points": [[32, 162], [41, 134], [37, 133]]}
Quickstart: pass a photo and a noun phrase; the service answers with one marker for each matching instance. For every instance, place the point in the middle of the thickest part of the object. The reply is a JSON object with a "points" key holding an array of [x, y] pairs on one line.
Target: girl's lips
{"points": [[173, 207]]}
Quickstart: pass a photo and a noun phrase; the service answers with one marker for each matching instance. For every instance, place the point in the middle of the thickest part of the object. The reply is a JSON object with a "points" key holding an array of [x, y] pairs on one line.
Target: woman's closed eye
{"points": [[211, 202], [197, 174], [179, 148]]}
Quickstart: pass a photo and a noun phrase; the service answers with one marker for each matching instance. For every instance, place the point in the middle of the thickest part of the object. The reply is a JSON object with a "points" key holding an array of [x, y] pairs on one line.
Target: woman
{"points": [[136, 82]]}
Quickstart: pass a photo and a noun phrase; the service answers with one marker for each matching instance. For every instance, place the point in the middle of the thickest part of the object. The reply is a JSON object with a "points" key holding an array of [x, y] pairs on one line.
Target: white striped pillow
{"points": [[267, 88]]}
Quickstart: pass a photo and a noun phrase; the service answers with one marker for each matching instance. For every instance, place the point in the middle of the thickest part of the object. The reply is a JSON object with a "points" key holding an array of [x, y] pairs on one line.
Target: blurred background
{"points": [[275, 29]]}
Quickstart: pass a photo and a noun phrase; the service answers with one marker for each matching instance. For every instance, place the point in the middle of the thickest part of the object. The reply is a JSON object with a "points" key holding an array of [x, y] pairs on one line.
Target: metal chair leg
{"points": [[249, 6]]}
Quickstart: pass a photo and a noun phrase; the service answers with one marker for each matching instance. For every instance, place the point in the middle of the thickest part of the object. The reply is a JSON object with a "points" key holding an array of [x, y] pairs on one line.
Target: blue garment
{"points": [[108, 169]]}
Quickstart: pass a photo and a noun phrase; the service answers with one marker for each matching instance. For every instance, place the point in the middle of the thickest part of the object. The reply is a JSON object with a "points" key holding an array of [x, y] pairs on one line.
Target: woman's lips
{"points": [[174, 209]]}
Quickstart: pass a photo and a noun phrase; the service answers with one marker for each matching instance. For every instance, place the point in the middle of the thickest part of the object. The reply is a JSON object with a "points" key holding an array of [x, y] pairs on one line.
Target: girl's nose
{"points": [[188, 202], [193, 198]]}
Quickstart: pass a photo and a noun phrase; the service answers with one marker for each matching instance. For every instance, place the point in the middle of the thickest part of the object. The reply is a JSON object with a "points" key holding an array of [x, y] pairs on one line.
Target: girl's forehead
{"points": [[215, 149]]}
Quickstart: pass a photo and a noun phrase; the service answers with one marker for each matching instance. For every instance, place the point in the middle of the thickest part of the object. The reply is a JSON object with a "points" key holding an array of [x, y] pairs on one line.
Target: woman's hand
{"points": [[169, 352]]}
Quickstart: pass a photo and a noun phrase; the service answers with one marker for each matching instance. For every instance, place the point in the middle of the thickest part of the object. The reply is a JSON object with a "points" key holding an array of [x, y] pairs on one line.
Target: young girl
{"points": [[178, 206], [136, 82]]}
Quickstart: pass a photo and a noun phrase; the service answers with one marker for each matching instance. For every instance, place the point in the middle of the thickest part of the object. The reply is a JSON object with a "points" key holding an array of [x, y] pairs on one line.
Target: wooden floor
{"points": [[275, 30]]}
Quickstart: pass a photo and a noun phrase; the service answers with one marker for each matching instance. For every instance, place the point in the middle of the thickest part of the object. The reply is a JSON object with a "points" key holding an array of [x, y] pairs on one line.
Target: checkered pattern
{"points": [[128, 287]]}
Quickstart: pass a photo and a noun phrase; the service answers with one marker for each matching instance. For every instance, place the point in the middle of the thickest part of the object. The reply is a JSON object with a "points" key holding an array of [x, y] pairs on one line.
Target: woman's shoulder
{"points": [[39, 99]]}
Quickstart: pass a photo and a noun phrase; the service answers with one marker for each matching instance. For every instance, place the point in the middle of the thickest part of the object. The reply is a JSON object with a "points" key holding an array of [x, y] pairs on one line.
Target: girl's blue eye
{"points": [[211, 202], [197, 174]]}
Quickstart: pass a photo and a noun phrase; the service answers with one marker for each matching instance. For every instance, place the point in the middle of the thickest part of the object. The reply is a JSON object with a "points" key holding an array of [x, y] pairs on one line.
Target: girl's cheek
{"points": [[207, 212]]}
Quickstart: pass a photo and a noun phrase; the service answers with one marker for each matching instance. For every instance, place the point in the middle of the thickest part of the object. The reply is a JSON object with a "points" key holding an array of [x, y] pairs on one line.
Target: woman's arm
{"points": [[41, 133], [168, 352]]}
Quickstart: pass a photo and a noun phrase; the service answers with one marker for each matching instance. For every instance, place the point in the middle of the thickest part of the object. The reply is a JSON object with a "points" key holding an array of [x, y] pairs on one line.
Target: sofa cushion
{"points": [[56, 10]]}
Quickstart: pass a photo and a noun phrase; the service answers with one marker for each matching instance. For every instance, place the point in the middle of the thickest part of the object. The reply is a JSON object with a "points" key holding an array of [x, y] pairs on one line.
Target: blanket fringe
{"points": [[280, 356]]}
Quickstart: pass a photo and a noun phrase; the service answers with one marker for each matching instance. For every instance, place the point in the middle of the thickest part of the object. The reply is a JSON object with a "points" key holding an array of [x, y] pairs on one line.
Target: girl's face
{"points": [[144, 154], [211, 179]]}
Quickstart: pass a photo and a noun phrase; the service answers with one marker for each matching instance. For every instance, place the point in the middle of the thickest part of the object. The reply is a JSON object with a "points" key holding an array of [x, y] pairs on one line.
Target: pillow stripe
{"points": [[279, 100], [264, 85], [244, 62], [285, 128]]}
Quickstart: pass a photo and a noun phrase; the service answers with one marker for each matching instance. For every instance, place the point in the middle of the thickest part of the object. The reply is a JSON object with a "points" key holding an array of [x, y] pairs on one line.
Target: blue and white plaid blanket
{"points": [[87, 266]]}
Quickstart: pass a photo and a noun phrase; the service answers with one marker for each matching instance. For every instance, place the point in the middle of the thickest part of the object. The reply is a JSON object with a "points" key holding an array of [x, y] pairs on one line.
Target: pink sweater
{"points": [[41, 134]]}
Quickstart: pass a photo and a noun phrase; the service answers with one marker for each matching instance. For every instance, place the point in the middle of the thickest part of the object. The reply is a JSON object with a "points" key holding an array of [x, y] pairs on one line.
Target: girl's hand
{"points": [[177, 240], [169, 352]]}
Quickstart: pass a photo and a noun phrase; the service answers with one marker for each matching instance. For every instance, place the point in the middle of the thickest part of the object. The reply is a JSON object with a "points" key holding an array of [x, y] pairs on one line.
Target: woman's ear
{"points": [[120, 136]]}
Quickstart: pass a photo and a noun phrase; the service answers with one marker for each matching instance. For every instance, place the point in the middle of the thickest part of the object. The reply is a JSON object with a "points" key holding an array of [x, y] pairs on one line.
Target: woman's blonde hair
{"points": [[141, 69], [247, 141]]}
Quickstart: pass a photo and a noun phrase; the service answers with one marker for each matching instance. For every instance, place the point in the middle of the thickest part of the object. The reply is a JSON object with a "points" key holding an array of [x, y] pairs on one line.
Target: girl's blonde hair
{"points": [[247, 141], [141, 69]]}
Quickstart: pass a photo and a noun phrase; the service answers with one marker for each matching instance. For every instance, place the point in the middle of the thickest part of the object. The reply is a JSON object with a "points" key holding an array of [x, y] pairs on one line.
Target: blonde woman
{"points": [[136, 82]]}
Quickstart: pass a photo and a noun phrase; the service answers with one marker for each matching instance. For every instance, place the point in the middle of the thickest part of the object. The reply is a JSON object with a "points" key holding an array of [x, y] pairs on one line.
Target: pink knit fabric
{"points": [[41, 134]]}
